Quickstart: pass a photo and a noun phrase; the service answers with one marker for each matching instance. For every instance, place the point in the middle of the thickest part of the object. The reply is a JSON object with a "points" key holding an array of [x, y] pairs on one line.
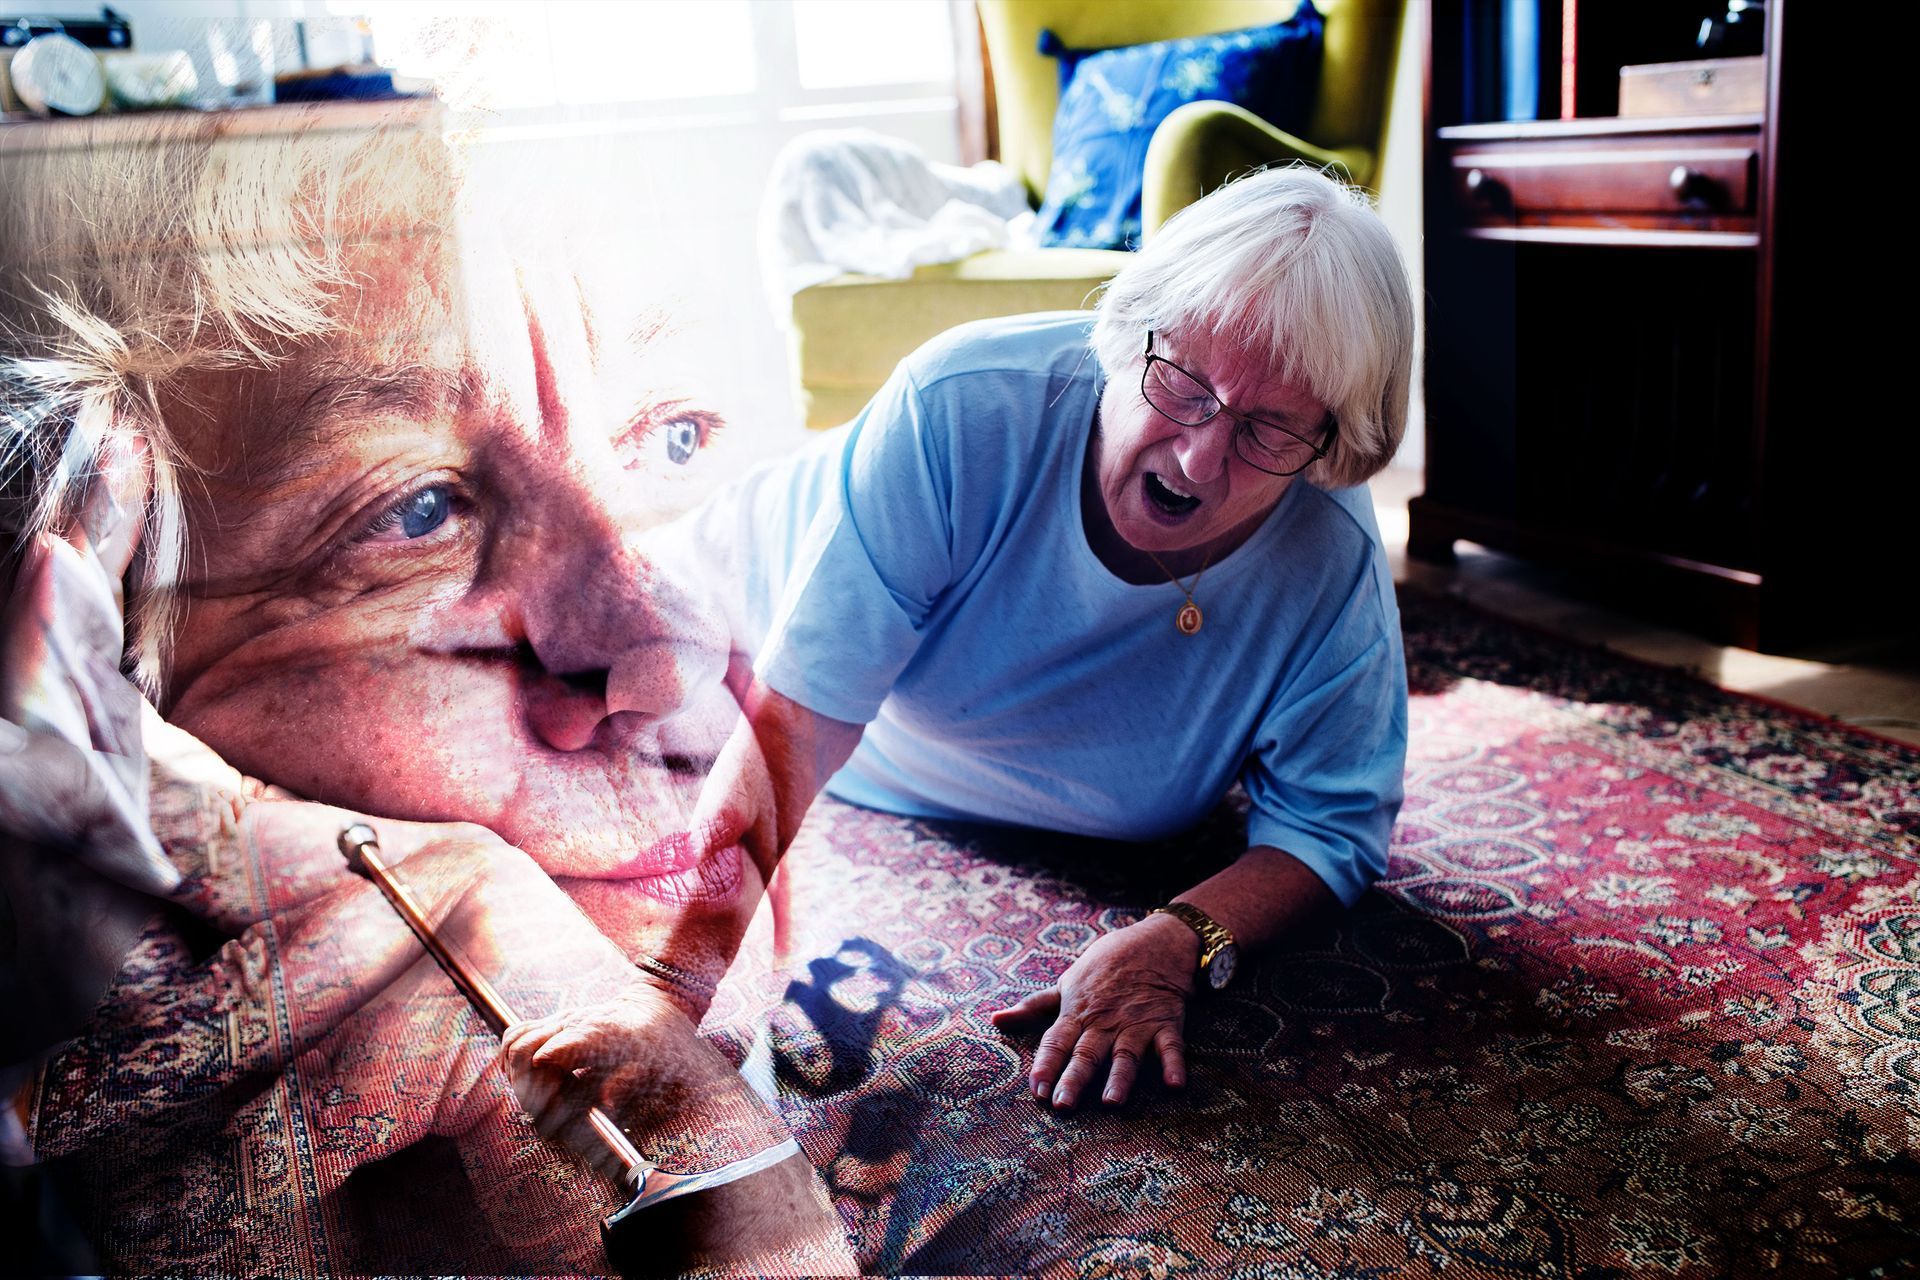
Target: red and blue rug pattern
{"points": [[1640, 995]]}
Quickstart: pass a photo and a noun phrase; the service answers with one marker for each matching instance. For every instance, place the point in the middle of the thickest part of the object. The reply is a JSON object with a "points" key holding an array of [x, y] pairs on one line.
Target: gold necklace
{"points": [[1188, 620]]}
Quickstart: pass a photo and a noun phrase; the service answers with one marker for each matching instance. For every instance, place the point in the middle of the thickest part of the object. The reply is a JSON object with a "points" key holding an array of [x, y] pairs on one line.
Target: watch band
{"points": [[1214, 936]]}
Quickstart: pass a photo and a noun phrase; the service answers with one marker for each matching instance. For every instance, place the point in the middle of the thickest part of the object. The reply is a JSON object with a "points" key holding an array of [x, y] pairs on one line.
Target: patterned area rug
{"points": [[1640, 996]]}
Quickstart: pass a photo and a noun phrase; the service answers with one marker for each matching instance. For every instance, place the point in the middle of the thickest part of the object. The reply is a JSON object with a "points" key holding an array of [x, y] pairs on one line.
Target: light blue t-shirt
{"points": [[945, 595]]}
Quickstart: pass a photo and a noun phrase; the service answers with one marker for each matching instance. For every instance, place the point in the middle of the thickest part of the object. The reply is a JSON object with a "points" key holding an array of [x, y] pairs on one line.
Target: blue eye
{"points": [[683, 440], [424, 512], [416, 515]]}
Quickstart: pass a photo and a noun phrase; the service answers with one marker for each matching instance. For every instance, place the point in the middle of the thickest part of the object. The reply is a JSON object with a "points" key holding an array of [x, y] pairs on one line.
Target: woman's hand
{"points": [[639, 1060], [73, 770], [78, 861], [1125, 995], [636, 1057]]}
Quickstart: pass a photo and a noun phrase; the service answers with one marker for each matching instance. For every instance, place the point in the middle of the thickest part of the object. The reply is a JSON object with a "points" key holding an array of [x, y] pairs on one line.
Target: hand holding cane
{"points": [[651, 1185]]}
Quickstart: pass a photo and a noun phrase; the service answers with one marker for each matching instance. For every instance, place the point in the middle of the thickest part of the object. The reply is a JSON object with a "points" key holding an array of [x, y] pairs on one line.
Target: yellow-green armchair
{"points": [[850, 331]]}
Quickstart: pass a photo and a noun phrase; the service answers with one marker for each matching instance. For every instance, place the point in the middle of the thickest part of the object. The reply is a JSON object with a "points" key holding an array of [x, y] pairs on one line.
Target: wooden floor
{"points": [[1877, 688]]}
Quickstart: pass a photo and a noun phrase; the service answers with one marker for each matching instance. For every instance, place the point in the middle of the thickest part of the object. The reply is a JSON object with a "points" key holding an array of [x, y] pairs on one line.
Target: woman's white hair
{"points": [[129, 267], [1293, 268]]}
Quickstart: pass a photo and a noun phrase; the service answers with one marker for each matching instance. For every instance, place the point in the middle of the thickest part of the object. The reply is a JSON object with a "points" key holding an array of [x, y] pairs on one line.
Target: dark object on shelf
{"points": [[108, 31], [335, 84], [1738, 33], [1647, 357], [1538, 59]]}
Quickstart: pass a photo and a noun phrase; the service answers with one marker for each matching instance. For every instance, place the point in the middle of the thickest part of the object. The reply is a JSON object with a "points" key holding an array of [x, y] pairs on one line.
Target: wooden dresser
{"points": [[1630, 364]]}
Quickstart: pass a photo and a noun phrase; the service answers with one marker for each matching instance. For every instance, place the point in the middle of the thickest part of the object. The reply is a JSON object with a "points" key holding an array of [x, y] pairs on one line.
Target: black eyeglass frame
{"points": [[1245, 426]]}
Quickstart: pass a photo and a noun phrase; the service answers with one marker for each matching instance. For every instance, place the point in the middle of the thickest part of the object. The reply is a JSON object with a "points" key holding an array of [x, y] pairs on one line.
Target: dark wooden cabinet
{"points": [[1637, 362]]}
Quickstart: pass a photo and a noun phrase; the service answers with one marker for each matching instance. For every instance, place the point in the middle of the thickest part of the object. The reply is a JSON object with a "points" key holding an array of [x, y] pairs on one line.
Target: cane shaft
{"points": [[364, 852], [473, 986]]}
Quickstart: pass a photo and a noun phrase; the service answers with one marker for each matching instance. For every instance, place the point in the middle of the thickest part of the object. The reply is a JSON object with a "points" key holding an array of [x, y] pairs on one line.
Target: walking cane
{"points": [[651, 1184]]}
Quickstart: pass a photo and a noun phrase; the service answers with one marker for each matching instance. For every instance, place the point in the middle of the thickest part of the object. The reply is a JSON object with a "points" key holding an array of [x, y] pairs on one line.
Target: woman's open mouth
{"points": [[1167, 497]]}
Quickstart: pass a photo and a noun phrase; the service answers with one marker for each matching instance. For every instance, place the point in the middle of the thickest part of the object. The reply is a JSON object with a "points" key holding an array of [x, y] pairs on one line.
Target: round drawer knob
{"points": [[1689, 185], [1483, 188]]}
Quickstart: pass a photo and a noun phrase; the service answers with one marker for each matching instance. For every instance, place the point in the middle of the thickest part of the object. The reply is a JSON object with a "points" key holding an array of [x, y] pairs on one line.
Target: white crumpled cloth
{"points": [[843, 200]]}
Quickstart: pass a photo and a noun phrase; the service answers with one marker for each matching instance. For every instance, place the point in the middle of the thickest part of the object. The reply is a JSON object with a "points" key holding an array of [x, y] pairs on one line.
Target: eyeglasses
{"points": [[1262, 445]]}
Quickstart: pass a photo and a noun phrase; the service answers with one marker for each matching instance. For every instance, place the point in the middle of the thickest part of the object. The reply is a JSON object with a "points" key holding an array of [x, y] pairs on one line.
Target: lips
{"points": [[670, 855], [1166, 496], [715, 878], [680, 871]]}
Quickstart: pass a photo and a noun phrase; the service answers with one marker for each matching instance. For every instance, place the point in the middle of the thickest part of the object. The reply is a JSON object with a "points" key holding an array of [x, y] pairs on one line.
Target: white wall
{"points": [[1401, 179]]}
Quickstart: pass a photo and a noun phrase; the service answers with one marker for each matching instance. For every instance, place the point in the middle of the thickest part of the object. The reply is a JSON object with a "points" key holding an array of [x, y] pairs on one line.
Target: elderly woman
{"points": [[1087, 576], [383, 494], [400, 547]]}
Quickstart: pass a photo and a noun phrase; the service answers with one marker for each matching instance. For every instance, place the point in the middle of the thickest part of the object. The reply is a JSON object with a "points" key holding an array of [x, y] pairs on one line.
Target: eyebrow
{"points": [[1279, 417], [301, 417]]}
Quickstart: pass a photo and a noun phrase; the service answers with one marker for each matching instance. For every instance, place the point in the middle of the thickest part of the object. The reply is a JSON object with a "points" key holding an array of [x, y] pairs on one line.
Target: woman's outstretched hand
{"points": [[1124, 998]]}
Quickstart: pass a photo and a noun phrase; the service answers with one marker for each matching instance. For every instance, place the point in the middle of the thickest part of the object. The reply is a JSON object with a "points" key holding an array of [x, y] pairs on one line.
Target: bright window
{"points": [[847, 43], [569, 53]]}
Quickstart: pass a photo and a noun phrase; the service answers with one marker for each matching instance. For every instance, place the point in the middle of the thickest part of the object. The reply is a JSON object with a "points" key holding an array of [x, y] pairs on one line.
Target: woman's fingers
{"points": [[1041, 1004], [1056, 1045], [1089, 1054], [535, 1089], [1128, 1048], [1070, 1058], [1172, 1049]]}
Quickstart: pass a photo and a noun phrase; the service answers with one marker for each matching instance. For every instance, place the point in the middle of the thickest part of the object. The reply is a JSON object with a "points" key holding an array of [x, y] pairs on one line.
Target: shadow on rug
{"points": [[1639, 995]]}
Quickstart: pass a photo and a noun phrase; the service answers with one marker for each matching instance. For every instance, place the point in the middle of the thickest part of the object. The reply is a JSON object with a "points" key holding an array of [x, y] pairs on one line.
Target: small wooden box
{"points": [[1715, 86]]}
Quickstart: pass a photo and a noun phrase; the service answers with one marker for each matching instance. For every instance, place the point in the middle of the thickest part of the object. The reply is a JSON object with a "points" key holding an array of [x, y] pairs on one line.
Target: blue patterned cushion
{"points": [[1111, 101]]}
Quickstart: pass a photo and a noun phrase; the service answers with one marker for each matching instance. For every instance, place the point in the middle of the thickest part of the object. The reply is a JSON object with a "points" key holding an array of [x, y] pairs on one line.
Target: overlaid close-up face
{"points": [[425, 577], [1168, 487]]}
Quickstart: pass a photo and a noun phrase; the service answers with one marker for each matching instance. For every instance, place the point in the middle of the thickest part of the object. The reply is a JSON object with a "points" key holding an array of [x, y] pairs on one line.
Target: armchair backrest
{"points": [[1350, 111]]}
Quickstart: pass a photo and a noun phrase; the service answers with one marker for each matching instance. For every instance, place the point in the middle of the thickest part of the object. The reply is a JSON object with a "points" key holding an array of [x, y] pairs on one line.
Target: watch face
{"points": [[1220, 971], [58, 73]]}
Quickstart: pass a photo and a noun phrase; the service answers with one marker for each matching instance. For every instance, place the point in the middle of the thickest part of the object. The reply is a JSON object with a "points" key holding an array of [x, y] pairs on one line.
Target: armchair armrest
{"points": [[1200, 145]]}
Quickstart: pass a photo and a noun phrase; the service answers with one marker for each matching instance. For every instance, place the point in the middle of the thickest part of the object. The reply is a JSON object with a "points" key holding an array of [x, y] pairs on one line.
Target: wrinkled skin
{"points": [[636, 1056], [1134, 439], [450, 598], [447, 598], [1124, 1000]]}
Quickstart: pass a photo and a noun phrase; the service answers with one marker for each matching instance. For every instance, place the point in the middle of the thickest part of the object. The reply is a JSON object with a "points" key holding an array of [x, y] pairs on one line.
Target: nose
{"points": [[1204, 450], [618, 638]]}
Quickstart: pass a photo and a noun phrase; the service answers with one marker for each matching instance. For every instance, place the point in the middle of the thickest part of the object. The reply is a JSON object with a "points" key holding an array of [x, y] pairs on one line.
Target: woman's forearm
{"points": [[776, 763], [803, 750], [1264, 895]]}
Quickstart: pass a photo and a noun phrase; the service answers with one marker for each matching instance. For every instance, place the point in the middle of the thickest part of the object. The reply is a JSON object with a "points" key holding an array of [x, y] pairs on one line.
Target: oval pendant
{"points": [[1187, 621]]}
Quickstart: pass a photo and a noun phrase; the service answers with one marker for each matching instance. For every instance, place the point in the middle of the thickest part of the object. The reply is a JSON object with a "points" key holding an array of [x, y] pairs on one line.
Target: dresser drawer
{"points": [[1659, 177]]}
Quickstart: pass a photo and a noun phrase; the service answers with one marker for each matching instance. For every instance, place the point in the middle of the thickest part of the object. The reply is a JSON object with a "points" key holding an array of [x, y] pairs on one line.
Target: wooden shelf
{"points": [[19, 134], [1596, 127], [1629, 365]]}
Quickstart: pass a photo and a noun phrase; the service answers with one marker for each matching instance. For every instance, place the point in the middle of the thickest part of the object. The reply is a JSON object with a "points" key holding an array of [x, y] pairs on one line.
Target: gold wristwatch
{"points": [[1219, 953]]}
